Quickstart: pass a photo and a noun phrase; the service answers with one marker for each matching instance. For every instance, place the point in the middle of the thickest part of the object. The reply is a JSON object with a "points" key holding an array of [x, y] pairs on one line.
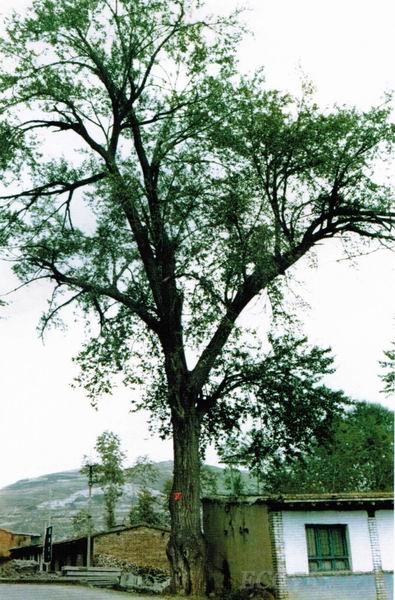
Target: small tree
{"points": [[109, 472], [233, 481], [145, 473], [81, 523], [146, 509], [209, 480]]}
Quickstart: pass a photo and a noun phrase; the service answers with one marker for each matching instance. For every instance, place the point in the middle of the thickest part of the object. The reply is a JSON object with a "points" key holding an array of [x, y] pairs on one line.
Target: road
{"points": [[21, 591]]}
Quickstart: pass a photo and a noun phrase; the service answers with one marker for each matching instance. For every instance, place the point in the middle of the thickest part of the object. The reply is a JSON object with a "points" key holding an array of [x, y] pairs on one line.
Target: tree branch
{"points": [[97, 290], [47, 189], [156, 52], [250, 288]]}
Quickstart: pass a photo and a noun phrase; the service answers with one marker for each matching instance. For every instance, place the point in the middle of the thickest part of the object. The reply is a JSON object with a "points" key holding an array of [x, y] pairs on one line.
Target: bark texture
{"points": [[186, 549]]}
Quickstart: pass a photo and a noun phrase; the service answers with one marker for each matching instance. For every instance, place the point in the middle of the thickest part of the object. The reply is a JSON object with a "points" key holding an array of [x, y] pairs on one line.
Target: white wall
{"points": [[385, 527], [295, 537]]}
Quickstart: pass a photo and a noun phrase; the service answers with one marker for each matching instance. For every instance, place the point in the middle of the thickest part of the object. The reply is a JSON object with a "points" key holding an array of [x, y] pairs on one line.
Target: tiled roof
{"points": [[345, 498], [19, 533], [118, 529]]}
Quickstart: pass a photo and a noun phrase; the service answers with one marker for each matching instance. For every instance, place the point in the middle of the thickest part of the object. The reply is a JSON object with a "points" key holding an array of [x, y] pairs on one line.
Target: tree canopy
{"points": [[358, 456], [162, 191]]}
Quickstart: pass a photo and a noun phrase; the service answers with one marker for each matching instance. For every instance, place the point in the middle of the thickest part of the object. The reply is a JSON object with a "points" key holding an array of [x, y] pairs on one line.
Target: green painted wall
{"points": [[238, 544]]}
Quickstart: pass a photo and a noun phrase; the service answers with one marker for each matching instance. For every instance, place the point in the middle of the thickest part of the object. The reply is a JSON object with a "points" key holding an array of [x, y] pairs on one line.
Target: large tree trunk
{"points": [[186, 549]]}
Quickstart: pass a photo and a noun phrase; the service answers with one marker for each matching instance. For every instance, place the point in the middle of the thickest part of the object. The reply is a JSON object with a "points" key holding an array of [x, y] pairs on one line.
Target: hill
{"points": [[29, 504]]}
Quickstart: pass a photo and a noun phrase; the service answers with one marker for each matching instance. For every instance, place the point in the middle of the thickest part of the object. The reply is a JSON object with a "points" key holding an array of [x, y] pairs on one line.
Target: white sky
{"points": [[346, 48]]}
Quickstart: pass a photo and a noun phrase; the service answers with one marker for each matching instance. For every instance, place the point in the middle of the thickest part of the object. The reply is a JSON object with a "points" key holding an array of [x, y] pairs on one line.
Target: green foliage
{"points": [[7, 144], [187, 192], [209, 481], [109, 473], [81, 523], [166, 491], [277, 406], [388, 377], [357, 457], [142, 472], [233, 481], [185, 187], [146, 509]]}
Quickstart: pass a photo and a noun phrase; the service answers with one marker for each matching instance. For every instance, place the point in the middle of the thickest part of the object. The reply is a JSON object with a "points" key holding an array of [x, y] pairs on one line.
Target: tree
{"points": [[81, 523], [187, 192], [143, 472], [233, 481], [357, 457], [208, 480], [109, 472], [144, 511]]}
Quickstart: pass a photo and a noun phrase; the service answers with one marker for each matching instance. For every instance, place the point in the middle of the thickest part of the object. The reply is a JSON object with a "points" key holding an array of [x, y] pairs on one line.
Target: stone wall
{"points": [[142, 546]]}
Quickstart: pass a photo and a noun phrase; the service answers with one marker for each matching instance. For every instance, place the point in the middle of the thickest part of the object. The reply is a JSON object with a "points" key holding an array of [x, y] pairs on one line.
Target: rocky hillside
{"points": [[27, 505]]}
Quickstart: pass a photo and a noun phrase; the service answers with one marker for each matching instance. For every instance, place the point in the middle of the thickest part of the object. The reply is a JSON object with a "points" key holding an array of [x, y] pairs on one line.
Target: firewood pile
{"points": [[19, 568], [105, 560]]}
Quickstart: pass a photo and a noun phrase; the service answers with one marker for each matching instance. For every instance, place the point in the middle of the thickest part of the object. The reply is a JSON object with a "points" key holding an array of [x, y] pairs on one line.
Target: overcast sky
{"points": [[346, 49]]}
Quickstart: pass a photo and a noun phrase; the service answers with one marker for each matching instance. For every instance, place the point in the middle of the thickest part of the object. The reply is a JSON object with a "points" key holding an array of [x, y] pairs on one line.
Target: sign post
{"points": [[48, 546]]}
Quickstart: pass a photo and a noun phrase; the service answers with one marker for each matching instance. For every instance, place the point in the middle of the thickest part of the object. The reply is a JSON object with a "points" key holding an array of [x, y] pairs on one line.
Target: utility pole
{"points": [[230, 461], [43, 544], [89, 536], [47, 534]]}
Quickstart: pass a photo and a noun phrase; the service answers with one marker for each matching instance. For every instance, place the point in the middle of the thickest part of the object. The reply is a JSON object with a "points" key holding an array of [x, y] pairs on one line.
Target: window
{"points": [[327, 548]]}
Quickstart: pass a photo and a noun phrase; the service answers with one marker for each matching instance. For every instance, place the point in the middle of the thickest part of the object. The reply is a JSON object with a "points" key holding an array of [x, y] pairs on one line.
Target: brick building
{"points": [[141, 545], [302, 547], [11, 539]]}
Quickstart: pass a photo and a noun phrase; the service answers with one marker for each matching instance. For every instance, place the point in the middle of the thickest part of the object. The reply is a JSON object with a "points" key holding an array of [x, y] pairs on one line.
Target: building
{"points": [[11, 539], [302, 547], [141, 545]]}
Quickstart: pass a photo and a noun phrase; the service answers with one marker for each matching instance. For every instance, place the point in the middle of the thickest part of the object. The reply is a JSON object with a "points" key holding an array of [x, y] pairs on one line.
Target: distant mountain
{"points": [[28, 504]]}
